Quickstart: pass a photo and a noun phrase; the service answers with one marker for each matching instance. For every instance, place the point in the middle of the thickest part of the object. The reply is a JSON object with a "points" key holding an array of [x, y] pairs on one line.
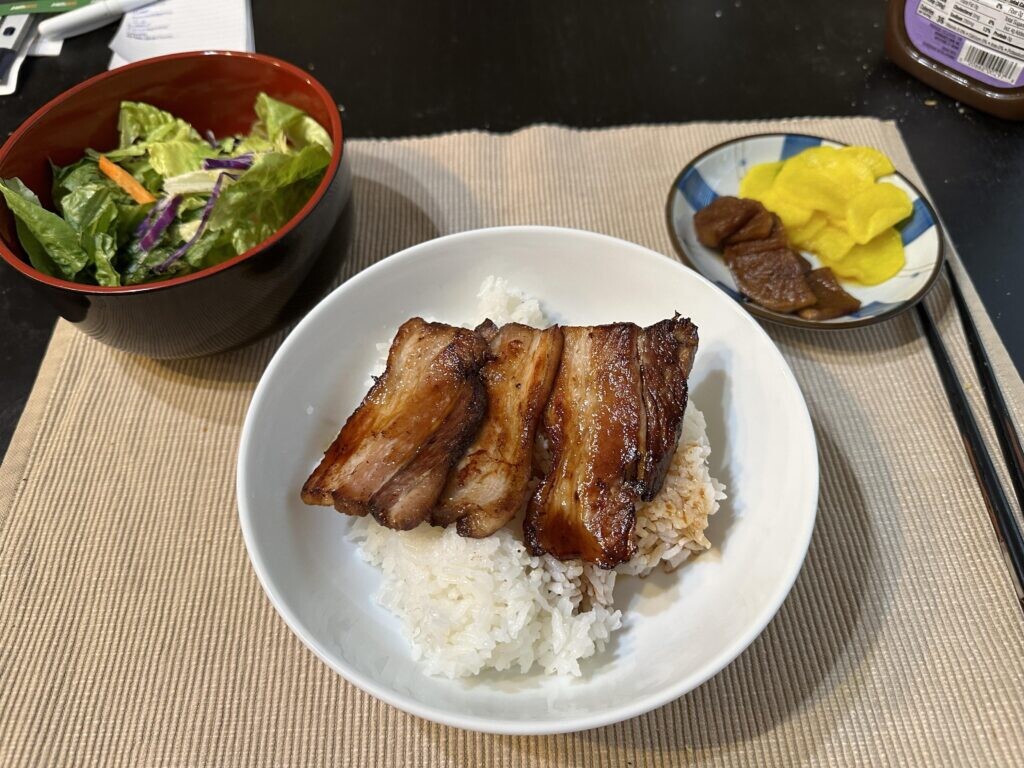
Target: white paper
{"points": [[174, 26]]}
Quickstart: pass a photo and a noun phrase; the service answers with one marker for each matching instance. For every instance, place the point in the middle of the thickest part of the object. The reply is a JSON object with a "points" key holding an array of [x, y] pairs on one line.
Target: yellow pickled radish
{"points": [[792, 214], [875, 209], [875, 161], [758, 179], [874, 262], [822, 179], [830, 244], [802, 236], [831, 205]]}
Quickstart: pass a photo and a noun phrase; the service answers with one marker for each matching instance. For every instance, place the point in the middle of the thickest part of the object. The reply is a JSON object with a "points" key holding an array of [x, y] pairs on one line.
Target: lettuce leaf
{"points": [[138, 122], [276, 169], [257, 144], [307, 132], [191, 203], [144, 173], [37, 255], [89, 208], [155, 144], [152, 161], [281, 123], [92, 210], [139, 266], [193, 182], [173, 158], [85, 173], [68, 178], [102, 249], [267, 195], [94, 238], [50, 232], [129, 217], [212, 248]]}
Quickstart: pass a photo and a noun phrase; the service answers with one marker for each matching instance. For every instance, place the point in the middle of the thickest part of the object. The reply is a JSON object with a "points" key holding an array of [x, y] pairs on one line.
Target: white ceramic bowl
{"points": [[719, 171], [680, 628]]}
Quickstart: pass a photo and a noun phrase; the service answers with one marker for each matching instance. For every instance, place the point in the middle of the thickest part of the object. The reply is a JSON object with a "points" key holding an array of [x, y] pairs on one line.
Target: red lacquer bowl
{"points": [[218, 308]]}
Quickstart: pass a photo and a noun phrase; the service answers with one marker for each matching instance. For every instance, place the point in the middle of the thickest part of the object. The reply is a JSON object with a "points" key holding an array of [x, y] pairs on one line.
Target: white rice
{"points": [[470, 604], [467, 605], [503, 304], [670, 527]]}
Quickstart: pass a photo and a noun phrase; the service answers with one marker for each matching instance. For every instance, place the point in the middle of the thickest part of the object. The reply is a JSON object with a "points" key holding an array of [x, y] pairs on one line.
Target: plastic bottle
{"points": [[972, 50]]}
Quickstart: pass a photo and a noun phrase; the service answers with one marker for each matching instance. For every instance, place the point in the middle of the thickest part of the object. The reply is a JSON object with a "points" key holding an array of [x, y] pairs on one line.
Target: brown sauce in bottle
{"points": [[972, 50]]}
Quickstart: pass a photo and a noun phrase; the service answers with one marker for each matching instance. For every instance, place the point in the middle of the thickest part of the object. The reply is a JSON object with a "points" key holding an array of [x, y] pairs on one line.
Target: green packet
{"points": [[41, 6]]}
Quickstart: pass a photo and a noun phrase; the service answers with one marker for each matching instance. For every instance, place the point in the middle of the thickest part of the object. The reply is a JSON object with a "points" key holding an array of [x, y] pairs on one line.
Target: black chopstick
{"points": [[988, 479], [1009, 440]]}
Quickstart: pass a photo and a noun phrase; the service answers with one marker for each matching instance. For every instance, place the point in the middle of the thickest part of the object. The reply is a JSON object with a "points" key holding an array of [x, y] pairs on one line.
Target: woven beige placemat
{"points": [[133, 632]]}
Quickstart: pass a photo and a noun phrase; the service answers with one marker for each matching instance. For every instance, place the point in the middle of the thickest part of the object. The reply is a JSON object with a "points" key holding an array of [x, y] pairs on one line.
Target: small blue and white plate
{"points": [[718, 171]]}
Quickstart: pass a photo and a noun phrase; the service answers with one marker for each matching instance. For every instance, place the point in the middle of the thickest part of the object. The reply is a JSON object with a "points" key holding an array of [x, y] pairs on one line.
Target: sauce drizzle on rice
{"points": [[467, 605]]}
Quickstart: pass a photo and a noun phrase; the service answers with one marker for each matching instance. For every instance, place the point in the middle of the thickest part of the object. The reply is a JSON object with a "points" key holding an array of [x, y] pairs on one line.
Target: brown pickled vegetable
{"points": [[767, 269]]}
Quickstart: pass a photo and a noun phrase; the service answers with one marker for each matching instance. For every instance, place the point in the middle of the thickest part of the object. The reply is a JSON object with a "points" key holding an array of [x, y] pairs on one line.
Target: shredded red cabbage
{"points": [[211, 138], [153, 213], [240, 163], [207, 210], [165, 212]]}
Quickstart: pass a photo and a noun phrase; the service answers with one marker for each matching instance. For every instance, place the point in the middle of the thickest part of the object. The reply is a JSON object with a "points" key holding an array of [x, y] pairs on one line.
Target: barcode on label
{"points": [[984, 60]]}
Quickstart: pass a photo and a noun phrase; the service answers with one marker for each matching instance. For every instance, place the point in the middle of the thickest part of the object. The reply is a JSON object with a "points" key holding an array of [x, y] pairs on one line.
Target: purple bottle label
{"points": [[983, 39]]}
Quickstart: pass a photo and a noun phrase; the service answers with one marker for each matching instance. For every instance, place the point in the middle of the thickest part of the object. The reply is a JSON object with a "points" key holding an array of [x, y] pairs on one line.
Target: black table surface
{"points": [[419, 68]]}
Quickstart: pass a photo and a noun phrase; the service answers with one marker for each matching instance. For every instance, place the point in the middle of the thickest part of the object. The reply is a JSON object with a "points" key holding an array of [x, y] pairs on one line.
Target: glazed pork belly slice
{"points": [[489, 486], [613, 423], [666, 351], [585, 505], [395, 451], [407, 499]]}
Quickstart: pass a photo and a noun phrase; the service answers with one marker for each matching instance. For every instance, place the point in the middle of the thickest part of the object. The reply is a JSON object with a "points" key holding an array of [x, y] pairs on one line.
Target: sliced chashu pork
{"points": [[612, 432], [490, 484], [666, 351], [585, 505], [394, 453]]}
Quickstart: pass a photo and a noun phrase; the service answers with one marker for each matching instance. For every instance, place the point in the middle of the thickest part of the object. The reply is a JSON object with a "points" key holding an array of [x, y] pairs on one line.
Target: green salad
{"points": [[168, 201]]}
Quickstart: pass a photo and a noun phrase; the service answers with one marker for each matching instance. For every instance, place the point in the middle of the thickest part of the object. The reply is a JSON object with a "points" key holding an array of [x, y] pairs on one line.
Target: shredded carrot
{"points": [[126, 181]]}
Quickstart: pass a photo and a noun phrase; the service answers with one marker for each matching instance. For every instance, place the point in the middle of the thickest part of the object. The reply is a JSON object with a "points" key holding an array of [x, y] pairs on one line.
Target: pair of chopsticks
{"points": [[981, 460]]}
